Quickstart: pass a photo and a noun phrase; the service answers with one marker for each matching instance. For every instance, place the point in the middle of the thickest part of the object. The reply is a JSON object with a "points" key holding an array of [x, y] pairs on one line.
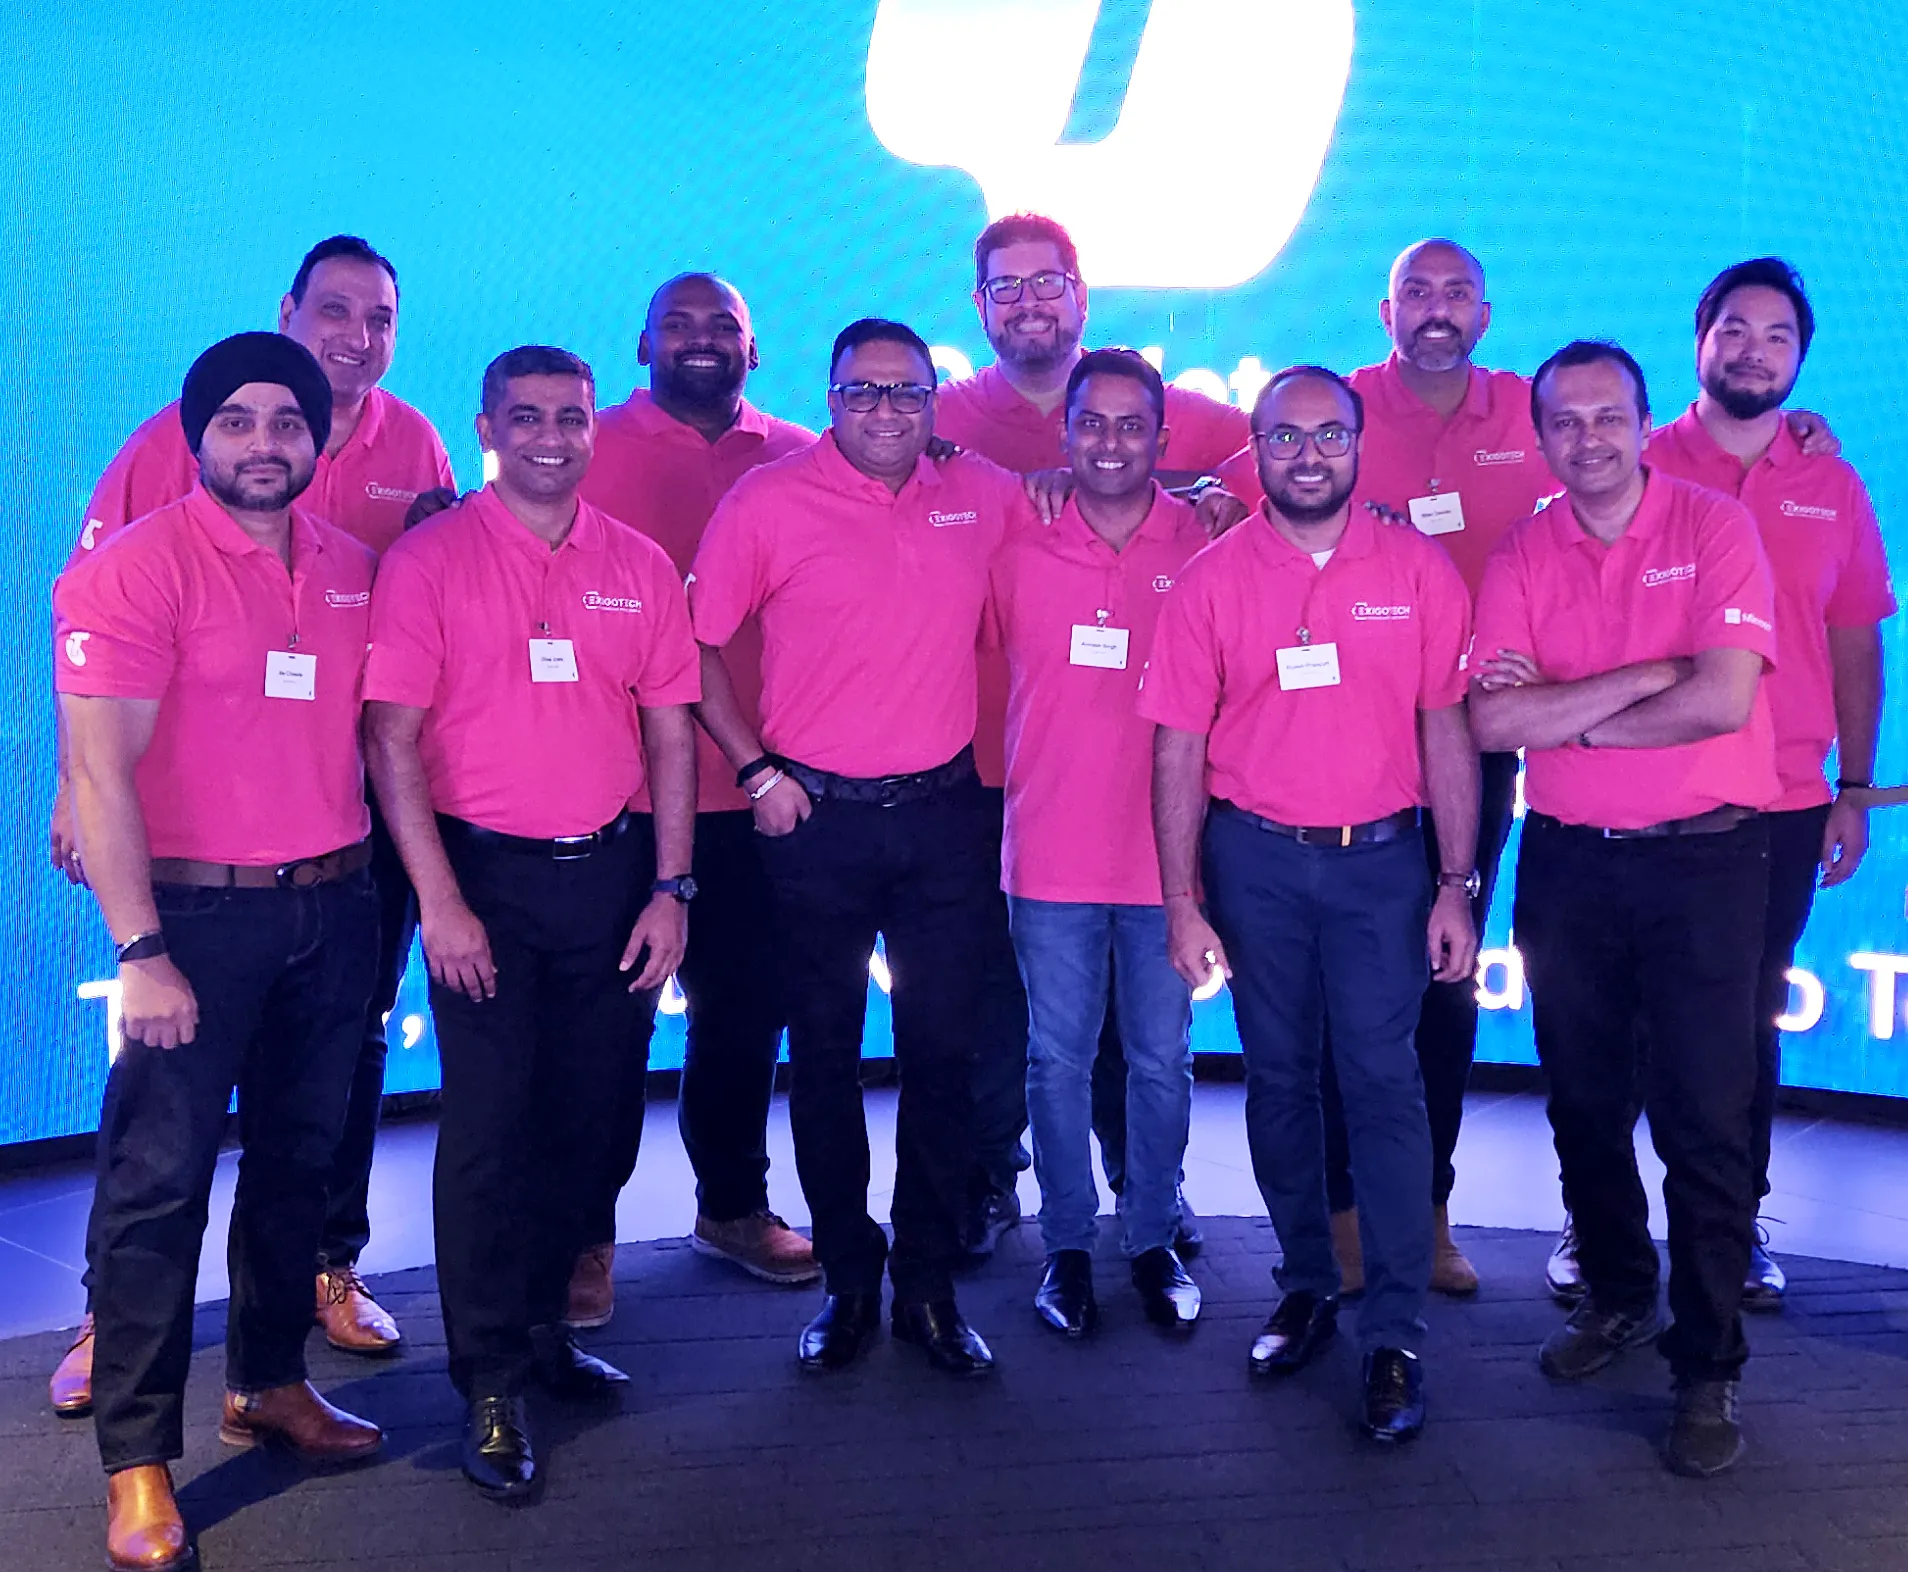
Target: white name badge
{"points": [[1308, 666], [1102, 647], [552, 660], [1439, 515], [289, 676]]}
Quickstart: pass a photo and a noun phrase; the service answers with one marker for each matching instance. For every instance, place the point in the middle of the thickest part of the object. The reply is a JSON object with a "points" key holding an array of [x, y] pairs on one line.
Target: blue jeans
{"points": [[1066, 951], [1314, 932]]}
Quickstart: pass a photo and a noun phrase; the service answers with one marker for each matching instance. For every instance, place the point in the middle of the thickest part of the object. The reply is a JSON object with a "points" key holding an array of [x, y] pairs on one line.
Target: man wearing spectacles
{"points": [[1307, 683], [865, 565], [1032, 304]]}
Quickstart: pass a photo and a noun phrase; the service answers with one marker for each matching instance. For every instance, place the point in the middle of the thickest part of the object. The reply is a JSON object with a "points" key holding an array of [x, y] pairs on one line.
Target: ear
{"points": [[643, 351], [286, 307], [1165, 437], [1484, 319], [755, 358], [1384, 314], [483, 432]]}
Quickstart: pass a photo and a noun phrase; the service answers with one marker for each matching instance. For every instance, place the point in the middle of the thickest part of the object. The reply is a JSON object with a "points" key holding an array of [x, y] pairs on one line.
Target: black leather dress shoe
{"points": [[942, 1333], [1394, 1395], [841, 1333], [1065, 1298], [1188, 1239], [567, 1370], [1170, 1296], [497, 1455], [1298, 1329], [989, 1216]]}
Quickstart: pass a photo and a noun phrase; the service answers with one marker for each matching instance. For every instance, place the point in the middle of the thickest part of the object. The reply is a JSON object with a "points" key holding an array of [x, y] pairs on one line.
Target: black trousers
{"points": [[531, 1079], [281, 978], [1447, 1025], [731, 976], [1795, 853], [348, 1216], [925, 877], [1628, 942], [1000, 1057]]}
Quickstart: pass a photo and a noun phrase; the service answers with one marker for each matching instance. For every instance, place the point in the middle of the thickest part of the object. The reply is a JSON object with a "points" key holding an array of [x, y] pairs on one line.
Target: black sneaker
{"points": [[991, 1215], [1705, 1437], [1592, 1337]]}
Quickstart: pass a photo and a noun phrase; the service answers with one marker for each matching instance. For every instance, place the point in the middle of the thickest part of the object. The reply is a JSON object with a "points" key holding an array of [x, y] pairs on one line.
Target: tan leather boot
{"points": [[1350, 1253], [297, 1418], [592, 1297], [1451, 1273], [71, 1389], [144, 1532]]}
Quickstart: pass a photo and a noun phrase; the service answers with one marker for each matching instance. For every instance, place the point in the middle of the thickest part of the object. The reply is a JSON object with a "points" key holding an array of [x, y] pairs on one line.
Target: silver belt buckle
{"points": [[583, 845]]}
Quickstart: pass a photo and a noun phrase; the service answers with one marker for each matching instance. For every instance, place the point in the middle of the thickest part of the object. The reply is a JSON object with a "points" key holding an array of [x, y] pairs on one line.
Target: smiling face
{"points": [[1750, 357], [1590, 428], [257, 452], [1030, 334], [882, 442], [543, 432], [1113, 440], [348, 320], [697, 342], [1436, 311], [1308, 487]]}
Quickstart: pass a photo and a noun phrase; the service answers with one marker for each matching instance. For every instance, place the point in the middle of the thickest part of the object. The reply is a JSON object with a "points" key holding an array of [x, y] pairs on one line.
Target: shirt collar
{"points": [[224, 532], [494, 513], [1689, 429], [1160, 524], [839, 475], [1007, 401], [1358, 540], [652, 420], [1645, 524], [1400, 400], [370, 422]]}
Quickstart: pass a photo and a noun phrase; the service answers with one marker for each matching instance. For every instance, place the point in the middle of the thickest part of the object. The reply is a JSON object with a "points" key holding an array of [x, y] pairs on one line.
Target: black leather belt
{"points": [[889, 791], [1717, 821], [561, 848], [1373, 833]]}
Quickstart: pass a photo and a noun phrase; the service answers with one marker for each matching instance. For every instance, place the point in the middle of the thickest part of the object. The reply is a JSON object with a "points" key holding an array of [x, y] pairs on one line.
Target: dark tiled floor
{"points": [[1125, 1452]]}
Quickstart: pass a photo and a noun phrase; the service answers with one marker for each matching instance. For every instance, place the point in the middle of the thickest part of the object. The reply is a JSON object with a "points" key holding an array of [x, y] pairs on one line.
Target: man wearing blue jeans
{"points": [[1308, 683], [1073, 605]]}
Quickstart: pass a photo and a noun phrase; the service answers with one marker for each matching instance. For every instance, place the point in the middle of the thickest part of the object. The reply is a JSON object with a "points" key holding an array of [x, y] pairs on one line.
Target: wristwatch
{"points": [[684, 888], [143, 947], [1470, 883]]}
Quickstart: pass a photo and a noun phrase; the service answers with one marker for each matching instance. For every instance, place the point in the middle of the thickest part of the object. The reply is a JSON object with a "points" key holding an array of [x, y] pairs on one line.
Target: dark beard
{"points": [[1314, 513], [699, 389], [1740, 403], [270, 502], [1036, 360]]}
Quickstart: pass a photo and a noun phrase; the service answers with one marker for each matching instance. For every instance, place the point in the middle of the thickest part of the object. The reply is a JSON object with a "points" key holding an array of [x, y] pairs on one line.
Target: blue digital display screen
{"points": [[1239, 174]]}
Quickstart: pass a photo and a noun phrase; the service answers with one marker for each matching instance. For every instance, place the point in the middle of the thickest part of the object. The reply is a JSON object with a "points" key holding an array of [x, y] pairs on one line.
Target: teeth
{"points": [[542, 458]]}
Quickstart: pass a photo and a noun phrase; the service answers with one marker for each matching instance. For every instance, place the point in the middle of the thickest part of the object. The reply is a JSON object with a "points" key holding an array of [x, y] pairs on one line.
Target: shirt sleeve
{"points": [[1734, 604], [1203, 433], [116, 624], [1183, 679], [672, 667], [445, 476], [154, 467], [728, 582], [1502, 620], [406, 661], [1863, 593], [1446, 624]]}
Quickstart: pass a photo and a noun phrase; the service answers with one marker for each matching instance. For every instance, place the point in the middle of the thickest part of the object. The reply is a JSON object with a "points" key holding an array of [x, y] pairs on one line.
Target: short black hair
{"points": [[531, 360], [1324, 374], [352, 246], [1118, 361], [1587, 352], [879, 330], [1017, 229], [1770, 273]]}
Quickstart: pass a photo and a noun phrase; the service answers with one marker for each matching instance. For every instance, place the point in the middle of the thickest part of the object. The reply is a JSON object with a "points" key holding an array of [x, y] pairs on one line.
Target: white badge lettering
{"points": [[290, 676], [1442, 514], [1102, 647], [1308, 666], [552, 660]]}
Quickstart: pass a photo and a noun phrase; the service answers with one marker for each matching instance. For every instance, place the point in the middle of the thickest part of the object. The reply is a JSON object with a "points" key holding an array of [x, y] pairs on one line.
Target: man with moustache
{"points": [[1073, 607], [208, 665], [1753, 329], [1307, 681], [1032, 305], [866, 566], [381, 453], [531, 670], [664, 458], [1622, 637]]}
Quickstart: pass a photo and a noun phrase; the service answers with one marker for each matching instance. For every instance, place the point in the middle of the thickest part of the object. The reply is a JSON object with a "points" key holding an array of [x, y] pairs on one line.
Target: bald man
{"points": [[664, 458]]}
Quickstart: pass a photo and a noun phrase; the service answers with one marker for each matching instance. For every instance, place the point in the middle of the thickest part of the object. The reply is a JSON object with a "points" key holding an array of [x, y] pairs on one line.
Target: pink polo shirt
{"points": [[1688, 575], [186, 610], [664, 478], [458, 601], [365, 489], [1486, 453], [870, 602], [1825, 552], [1079, 757], [1341, 754]]}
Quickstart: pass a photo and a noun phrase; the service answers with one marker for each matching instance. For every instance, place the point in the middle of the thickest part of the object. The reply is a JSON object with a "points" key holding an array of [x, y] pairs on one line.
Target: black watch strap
{"points": [[143, 947]]}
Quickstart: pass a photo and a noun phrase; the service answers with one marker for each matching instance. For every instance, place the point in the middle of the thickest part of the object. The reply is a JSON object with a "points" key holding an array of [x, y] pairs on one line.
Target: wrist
{"points": [[145, 944], [1181, 899]]}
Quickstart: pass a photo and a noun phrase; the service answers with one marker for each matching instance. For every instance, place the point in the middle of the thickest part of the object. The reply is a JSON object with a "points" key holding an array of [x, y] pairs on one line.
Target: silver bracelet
{"points": [[776, 777]]}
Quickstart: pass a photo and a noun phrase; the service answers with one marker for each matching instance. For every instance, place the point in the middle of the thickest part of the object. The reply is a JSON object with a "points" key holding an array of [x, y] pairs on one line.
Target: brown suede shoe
{"points": [[1451, 1272], [144, 1532], [71, 1389], [592, 1290], [761, 1244], [352, 1319], [1350, 1251], [298, 1419]]}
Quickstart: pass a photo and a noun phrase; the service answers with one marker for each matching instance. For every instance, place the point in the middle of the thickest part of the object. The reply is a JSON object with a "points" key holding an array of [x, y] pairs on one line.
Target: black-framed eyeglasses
{"points": [[863, 398], [1007, 289], [1285, 443]]}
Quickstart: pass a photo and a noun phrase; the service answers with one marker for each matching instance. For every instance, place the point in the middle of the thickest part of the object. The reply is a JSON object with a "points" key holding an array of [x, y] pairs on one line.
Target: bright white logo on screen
{"points": [[988, 86], [76, 647]]}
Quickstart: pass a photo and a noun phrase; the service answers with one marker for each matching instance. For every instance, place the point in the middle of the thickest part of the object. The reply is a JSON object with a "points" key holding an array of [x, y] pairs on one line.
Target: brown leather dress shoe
{"points": [[71, 1388], [592, 1297], [298, 1419], [144, 1532], [352, 1319]]}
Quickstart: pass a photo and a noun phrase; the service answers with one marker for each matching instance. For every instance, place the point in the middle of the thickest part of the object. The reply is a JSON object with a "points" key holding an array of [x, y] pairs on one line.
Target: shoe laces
{"points": [[1567, 1241], [341, 1282], [1762, 1234]]}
